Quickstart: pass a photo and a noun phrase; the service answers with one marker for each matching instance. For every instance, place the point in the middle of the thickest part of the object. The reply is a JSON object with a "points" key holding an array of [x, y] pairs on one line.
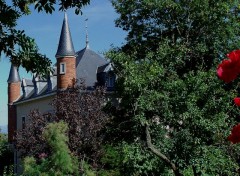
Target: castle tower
{"points": [[66, 58], [14, 88]]}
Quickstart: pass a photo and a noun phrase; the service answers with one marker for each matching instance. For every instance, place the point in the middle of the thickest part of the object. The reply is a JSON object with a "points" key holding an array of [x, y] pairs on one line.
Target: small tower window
{"points": [[62, 68]]}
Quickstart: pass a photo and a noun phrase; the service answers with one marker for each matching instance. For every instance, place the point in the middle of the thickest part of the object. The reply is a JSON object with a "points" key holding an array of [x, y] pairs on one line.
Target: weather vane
{"points": [[87, 41]]}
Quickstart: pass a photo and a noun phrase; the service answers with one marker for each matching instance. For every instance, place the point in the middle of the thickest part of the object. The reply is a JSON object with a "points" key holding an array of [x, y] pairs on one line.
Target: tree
{"points": [[82, 111], [33, 145], [60, 162], [174, 115], [6, 155], [14, 44]]}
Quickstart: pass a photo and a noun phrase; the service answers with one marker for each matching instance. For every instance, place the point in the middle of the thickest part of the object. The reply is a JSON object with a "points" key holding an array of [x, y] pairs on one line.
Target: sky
{"points": [[46, 28]]}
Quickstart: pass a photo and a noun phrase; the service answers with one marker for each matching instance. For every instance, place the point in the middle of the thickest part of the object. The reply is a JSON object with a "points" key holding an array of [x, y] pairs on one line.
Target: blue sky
{"points": [[46, 28]]}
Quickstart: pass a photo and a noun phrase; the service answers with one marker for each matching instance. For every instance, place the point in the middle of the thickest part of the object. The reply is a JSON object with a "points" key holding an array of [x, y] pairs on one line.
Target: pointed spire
{"points": [[65, 46], [87, 41], [13, 75]]}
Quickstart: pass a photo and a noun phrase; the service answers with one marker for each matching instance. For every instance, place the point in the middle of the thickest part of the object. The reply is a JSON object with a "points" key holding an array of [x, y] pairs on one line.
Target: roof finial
{"points": [[87, 41], [64, 9], [65, 14]]}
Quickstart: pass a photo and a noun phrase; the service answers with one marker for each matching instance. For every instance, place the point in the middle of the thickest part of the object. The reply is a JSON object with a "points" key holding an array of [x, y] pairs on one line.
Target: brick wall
{"points": [[14, 90], [12, 121], [13, 95], [66, 80]]}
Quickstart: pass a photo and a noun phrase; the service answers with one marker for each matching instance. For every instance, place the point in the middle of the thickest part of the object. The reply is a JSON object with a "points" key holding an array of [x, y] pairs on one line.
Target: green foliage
{"points": [[111, 157], [189, 23], [111, 160], [167, 81], [49, 5], [3, 143], [87, 169], [60, 162], [8, 170], [109, 173], [6, 156], [211, 159], [14, 44], [196, 107], [138, 161]]}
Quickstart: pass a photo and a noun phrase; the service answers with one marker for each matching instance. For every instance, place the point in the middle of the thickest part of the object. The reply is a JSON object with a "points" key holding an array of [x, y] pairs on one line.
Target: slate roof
{"points": [[30, 90], [102, 68], [55, 70], [32, 96], [105, 68], [13, 75], [65, 46], [87, 64], [29, 82]]}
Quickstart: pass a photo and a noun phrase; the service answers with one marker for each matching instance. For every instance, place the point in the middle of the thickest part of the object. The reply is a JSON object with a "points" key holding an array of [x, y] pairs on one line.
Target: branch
{"points": [[159, 154]]}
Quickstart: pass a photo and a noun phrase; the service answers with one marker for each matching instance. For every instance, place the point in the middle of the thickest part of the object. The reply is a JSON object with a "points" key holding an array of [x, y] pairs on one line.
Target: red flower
{"points": [[237, 101], [234, 137], [229, 69], [234, 55]]}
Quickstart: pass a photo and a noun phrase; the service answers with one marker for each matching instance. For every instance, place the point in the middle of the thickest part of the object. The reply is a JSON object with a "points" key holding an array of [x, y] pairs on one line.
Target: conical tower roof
{"points": [[65, 46], [13, 75]]}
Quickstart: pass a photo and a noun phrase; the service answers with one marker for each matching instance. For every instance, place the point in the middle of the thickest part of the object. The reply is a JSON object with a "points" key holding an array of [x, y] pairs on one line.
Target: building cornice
{"points": [[35, 98]]}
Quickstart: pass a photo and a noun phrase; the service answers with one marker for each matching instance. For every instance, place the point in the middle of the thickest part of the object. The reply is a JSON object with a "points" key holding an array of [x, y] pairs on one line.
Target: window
{"points": [[110, 81], [23, 122], [62, 68]]}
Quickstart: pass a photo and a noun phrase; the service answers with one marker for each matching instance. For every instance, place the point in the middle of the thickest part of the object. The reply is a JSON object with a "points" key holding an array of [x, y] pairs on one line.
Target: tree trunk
{"points": [[159, 154]]}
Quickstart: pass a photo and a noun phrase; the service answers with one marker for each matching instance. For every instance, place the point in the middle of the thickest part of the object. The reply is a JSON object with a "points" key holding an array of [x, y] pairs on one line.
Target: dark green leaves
{"points": [[49, 5], [167, 80]]}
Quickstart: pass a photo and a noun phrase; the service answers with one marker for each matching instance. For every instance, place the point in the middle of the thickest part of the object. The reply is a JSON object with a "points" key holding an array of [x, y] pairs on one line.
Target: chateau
{"points": [[70, 65]]}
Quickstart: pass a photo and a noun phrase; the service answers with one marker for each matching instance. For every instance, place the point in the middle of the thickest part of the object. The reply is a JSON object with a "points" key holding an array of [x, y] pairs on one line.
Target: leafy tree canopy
{"points": [[15, 44], [6, 155], [60, 162], [175, 114]]}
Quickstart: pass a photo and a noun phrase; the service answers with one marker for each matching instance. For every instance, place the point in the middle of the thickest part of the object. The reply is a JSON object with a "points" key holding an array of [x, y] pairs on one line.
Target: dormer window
{"points": [[62, 68], [110, 80]]}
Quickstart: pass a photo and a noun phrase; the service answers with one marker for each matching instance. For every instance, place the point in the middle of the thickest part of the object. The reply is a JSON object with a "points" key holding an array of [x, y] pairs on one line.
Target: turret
{"points": [[66, 58], [14, 88]]}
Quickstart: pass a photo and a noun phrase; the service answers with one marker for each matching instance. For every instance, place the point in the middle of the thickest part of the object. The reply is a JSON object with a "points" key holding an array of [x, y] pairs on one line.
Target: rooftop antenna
{"points": [[87, 41]]}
